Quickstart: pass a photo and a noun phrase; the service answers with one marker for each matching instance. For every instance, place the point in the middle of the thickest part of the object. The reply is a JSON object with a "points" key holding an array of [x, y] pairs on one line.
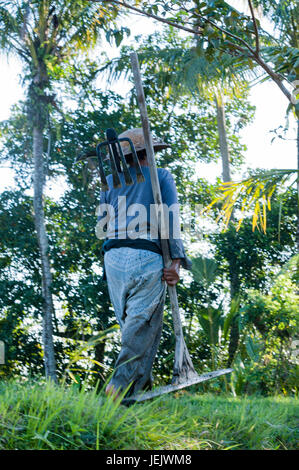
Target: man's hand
{"points": [[172, 274]]}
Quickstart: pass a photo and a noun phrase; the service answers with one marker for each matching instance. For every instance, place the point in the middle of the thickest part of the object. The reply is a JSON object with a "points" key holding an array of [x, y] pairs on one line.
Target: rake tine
{"points": [[115, 154], [117, 159], [115, 176], [128, 178], [103, 179], [112, 138], [139, 174]]}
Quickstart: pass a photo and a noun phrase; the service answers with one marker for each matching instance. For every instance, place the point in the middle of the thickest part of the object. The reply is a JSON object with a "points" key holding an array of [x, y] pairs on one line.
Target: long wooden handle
{"points": [[150, 155], [183, 369], [156, 188]]}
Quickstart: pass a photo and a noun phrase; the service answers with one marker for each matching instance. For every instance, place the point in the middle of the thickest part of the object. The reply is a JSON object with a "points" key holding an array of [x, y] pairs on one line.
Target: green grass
{"points": [[46, 416]]}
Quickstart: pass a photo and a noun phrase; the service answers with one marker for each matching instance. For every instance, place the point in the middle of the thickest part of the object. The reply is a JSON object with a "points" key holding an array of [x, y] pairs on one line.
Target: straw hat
{"points": [[136, 135]]}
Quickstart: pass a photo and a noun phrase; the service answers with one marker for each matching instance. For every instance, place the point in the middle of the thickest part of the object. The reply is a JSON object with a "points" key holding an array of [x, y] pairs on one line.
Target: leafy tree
{"points": [[266, 362], [240, 41], [20, 299], [251, 257], [226, 31], [45, 34], [81, 297]]}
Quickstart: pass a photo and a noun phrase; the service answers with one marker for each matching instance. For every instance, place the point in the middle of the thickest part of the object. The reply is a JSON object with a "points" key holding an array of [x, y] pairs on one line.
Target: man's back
{"points": [[126, 201], [129, 212]]}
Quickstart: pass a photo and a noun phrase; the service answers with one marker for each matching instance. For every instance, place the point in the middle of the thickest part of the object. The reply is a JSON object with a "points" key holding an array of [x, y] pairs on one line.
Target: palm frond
{"points": [[252, 194], [9, 28], [183, 66], [211, 319]]}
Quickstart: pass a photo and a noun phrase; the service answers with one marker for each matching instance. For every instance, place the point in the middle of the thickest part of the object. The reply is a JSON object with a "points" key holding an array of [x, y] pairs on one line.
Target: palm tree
{"points": [[45, 34]]}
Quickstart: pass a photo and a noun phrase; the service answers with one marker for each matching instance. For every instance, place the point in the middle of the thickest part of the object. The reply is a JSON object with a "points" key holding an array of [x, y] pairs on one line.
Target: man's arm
{"points": [[176, 247]]}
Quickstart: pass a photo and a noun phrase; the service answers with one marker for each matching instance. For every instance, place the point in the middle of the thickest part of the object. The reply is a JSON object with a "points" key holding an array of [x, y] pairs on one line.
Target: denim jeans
{"points": [[138, 295]]}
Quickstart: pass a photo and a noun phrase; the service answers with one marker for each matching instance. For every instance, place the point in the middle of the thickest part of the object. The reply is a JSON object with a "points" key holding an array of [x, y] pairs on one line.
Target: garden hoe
{"points": [[184, 374]]}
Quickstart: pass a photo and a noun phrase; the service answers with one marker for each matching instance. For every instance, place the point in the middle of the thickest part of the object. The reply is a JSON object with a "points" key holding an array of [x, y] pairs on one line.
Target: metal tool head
{"points": [[118, 163], [142, 396]]}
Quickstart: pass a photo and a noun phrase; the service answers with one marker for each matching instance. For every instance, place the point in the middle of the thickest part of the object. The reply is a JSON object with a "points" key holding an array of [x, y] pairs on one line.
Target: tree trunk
{"points": [[234, 331], [222, 138], [234, 276], [49, 355]]}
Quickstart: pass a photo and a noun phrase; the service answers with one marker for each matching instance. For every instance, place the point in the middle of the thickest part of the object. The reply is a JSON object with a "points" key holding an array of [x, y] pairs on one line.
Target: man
{"points": [[133, 264]]}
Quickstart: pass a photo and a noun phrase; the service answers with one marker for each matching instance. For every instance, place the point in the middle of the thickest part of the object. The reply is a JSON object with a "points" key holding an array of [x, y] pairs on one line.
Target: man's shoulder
{"points": [[164, 173]]}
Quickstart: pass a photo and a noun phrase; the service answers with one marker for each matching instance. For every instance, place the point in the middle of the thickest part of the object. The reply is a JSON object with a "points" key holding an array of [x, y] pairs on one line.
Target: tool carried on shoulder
{"points": [[117, 160], [184, 374]]}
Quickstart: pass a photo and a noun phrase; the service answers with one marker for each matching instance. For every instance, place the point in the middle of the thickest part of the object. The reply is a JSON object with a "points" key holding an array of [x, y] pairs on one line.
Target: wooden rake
{"points": [[184, 374]]}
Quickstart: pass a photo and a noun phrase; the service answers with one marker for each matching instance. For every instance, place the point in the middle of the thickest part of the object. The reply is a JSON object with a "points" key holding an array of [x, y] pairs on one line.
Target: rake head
{"points": [[118, 163], [196, 379]]}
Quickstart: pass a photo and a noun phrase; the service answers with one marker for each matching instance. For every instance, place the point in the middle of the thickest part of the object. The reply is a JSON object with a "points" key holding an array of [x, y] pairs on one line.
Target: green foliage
{"points": [[270, 323], [176, 76], [253, 194], [284, 15], [204, 270], [210, 320], [253, 256], [237, 38], [266, 324]]}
